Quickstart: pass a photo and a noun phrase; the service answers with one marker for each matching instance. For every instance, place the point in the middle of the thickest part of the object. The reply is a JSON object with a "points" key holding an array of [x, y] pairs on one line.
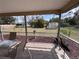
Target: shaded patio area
{"points": [[39, 48], [43, 47]]}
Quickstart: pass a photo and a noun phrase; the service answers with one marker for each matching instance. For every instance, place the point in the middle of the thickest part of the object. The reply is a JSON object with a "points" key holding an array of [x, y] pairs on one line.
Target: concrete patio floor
{"points": [[41, 50], [45, 51]]}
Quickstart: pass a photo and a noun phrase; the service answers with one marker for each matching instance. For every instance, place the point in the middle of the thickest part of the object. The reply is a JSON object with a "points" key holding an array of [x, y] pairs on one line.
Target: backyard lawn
{"points": [[72, 32], [39, 31]]}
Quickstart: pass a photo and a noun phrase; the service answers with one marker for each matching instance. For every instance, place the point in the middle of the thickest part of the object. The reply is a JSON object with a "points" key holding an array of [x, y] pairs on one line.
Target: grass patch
{"points": [[71, 31]]}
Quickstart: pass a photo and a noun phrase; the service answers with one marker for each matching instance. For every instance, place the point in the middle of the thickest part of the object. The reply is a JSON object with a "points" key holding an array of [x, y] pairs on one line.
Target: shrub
{"points": [[65, 25], [37, 24]]}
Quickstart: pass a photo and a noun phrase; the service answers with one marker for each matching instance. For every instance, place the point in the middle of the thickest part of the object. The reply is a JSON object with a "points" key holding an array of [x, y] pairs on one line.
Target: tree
{"points": [[40, 23], [7, 20], [54, 20], [66, 20], [72, 21], [76, 17], [37, 23]]}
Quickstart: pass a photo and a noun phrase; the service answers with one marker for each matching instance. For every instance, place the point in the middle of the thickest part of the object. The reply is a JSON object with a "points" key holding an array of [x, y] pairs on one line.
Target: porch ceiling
{"points": [[31, 7]]}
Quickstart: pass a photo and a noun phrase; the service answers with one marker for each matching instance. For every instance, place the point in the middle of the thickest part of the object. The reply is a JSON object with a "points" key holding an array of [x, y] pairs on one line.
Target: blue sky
{"points": [[49, 16], [19, 19]]}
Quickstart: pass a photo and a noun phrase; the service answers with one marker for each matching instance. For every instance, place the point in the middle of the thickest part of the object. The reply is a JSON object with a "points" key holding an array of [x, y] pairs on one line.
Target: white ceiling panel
{"points": [[30, 5]]}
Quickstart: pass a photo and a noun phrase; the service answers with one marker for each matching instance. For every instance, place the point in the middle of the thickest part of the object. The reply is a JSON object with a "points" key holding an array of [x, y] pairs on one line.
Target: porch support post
{"points": [[59, 25], [25, 20]]}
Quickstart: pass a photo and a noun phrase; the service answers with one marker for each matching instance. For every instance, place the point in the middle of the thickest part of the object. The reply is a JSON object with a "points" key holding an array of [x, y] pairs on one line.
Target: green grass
{"points": [[74, 32], [39, 31]]}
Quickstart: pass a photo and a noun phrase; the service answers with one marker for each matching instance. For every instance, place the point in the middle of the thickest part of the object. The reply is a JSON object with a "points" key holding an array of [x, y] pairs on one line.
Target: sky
{"points": [[49, 16], [70, 13]]}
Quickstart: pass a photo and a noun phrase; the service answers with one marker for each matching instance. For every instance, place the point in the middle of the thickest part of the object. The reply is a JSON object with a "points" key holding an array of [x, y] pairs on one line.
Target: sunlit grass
{"points": [[39, 30], [74, 32]]}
